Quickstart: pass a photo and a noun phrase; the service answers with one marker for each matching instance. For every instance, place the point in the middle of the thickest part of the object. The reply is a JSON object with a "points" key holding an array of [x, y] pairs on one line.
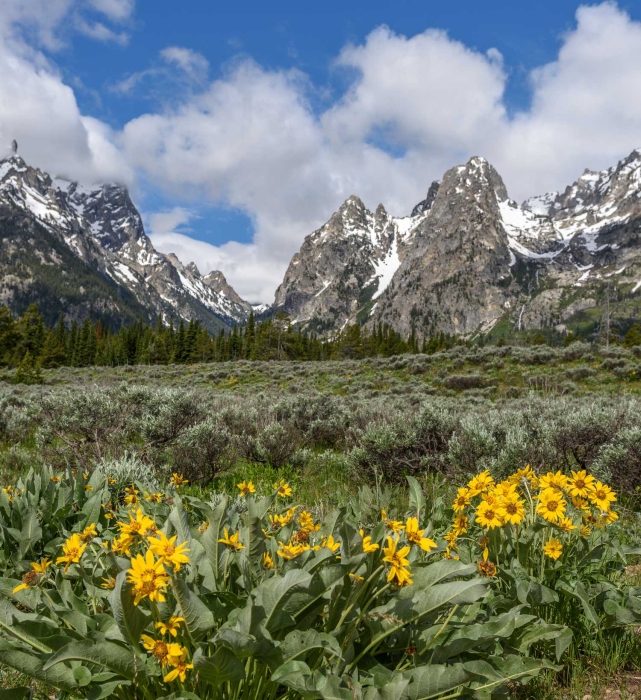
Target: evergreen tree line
{"points": [[27, 342]]}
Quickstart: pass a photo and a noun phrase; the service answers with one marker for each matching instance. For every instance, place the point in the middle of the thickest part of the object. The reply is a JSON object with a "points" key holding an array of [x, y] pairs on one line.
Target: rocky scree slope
{"points": [[56, 233], [469, 258]]}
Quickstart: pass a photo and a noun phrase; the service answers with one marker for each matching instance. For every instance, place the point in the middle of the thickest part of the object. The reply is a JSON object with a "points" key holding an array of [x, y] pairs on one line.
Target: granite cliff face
{"points": [[45, 220], [468, 257]]}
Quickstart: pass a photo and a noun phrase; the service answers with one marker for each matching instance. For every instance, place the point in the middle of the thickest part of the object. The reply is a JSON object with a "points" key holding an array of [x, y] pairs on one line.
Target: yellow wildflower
{"points": [[602, 496], [89, 533], [551, 505], [171, 626], [246, 487], [486, 568], [33, 578], [415, 535], [330, 543], [553, 548], [168, 550], [460, 524], [487, 515], [462, 500], [268, 562], [368, 545], [108, 582], [149, 578], [566, 525], [178, 479], [399, 572], [580, 485], [154, 497], [480, 483], [553, 481], [283, 489], [180, 667], [232, 541], [291, 551], [160, 650], [73, 549], [142, 525], [511, 508]]}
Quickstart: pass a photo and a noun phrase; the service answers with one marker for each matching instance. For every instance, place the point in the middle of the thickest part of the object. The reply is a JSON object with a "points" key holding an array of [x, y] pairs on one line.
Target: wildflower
{"points": [[121, 545], [585, 531], [154, 497], [168, 550], [551, 505], [601, 496], [178, 480], [491, 498], [108, 582], [447, 554], [306, 522], [396, 526], [460, 524], [142, 525], [132, 499], [291, 551], [553, 548], [566, 525], [368, 545], [553, 481], [525, 475], [180, 667], [356, 578], [171, 626], [511, 508], [487, 515], [608, 517], [283, 489], [89, 533], [55, 479], [580, 484], [88, 488], [246, 487], [149, 578], [268, 562], [161, 650], [462, 500], [203, 526], [33, 578], [581, 504], [73, 549], [399, 572], [486, 568], [505, 488], [232, 540], [415, 536], [330, 543], [111, 481], [480, 483], [131, 490]]}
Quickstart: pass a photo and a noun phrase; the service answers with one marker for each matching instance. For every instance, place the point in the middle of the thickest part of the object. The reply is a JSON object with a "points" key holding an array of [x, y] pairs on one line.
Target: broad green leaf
{"points": [[223, 666], [131, 620], [496, 672], [91, 510], [213, 533], [562, 642], [31, 532], [32, 664], [432, 680], [198, 618], [417, 500], [282, 596], [104, 690], [109, 655], [15, 694]]}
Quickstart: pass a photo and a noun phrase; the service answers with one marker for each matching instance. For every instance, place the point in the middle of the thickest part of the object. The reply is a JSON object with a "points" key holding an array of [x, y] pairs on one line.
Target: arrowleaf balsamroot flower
{"points": [[602, 496], [168, 550], [330, 543], [142, 525], [487, 515], [368, 545], [283, 489], [246, 487], [291, 551], [33, 578], [399, 572], [580, 485], [553, 481], [178, 479], [179, 662], [460, 524], [551, 505], [268, 562], [232, 541], [73, 549], [462, 500], [511, 508], [415, 536], [566, 525], [149, 578], [171, 626], [160, 649], [89, 533], [480, 483], [486, 568], [553, 548]]}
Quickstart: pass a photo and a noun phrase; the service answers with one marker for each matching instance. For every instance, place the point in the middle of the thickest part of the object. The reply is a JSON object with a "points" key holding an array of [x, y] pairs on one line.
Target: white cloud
{"points": [[251, 140], [100, 32]]}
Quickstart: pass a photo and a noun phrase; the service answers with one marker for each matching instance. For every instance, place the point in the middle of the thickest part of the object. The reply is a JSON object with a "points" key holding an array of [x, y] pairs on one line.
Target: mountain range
{"points": [[467, 260]]}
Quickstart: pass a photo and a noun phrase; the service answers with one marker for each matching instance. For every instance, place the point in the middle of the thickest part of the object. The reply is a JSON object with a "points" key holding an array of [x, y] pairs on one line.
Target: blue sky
{"points": [[240, 129]]}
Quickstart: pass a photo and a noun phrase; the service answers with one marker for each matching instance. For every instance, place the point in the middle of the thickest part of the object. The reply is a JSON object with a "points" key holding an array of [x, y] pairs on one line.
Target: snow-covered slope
{"points": [[103, 228]]}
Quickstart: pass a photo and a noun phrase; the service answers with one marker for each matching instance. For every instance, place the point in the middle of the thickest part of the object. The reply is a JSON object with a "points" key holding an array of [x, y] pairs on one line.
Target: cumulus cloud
{"points": [[191, 62], [38, 109], [415, 107]]}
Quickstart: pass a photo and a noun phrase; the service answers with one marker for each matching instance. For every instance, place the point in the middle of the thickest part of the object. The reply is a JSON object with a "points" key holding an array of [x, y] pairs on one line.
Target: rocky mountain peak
{"points": [[426, 203]]}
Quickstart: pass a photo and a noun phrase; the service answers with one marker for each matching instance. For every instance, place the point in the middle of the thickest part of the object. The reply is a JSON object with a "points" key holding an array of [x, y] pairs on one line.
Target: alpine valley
{"points": [[468, 260]]}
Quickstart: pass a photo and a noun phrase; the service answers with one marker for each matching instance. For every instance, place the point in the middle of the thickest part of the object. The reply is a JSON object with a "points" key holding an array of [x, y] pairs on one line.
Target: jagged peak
{"points": [[351, 203], [193, 268]]}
